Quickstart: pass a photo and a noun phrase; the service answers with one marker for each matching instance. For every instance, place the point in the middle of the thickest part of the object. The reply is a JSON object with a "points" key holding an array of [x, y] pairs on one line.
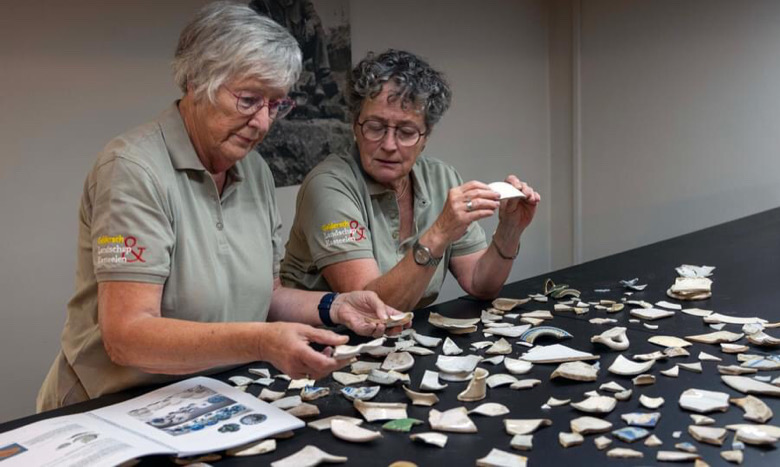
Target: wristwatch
{"points": [[423, 255]]}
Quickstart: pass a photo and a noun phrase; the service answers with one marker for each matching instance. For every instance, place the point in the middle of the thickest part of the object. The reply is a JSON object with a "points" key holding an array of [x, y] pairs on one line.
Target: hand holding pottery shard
{"points": [[614, 338]]}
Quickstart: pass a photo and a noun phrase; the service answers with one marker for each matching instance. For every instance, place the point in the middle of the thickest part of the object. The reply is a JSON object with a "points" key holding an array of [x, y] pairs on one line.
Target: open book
{"points": [[193, 416]]}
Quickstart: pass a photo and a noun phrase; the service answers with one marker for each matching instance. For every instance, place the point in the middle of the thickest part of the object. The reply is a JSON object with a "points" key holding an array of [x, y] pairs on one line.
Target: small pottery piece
{"points": [[499, 458], [287, 402], [525, 384], [365, 393], [651, 314], [641, 419], [672, 372], [253, 449], [501, 347], [304, 410], [311, 393], [653, 441], [756, 434], [398, 361], [556, 353], [676, 456], [702, 401], [644, 380], [453, 324], [576, 371], [525, 426], [456, 377], [612, 386], [602, 443], [501, 379], [343, 352], [736, 370], [651, 403], [692, 367], [702, 419], [668, 341], [522, 442], [351, 432], [454, 420], [624, 395], [733, 348], [348, 378], [401, 425], [570, 439], [598, 404], [747, 385], [476, 390], [716, 337], [516, 366], [426, 341], [705, 357], [363, 368], [490, 409], [308, 457], [626, 367], [450, 347], [614, 338], [270, 396], [553, 402], [373, 411], [430, 381], [755, 409], [495, 360], [735, 456], [719, 318], [630, 434], [507, 304], [672, 352], [624, 453], [513, 331], [387, 378], [324, 423], [457, 364], [420, 398], [707, 434], [696, 312], [589, 425], [435, 439]]}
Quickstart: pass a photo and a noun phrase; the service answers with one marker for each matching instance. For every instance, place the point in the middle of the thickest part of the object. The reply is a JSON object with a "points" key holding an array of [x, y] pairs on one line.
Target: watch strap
{"points": [[324, 308]]}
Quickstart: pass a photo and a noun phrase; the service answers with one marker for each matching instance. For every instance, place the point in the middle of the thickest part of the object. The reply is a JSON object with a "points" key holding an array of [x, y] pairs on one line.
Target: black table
{"points": [[745, 253]]}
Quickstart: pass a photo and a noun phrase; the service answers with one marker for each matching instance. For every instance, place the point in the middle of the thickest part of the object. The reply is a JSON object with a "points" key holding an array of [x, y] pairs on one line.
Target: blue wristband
{"points": [[324, 307]]}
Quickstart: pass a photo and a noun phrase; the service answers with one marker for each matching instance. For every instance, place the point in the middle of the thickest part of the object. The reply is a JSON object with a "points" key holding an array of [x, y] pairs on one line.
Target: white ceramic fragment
{"points": [[421, 398], [755, 409], [643, 380], [501, 379], [602, 320], [747, 385], [702, 419], [398, 361], [353, 433], [304, 410], [696, 312], [241, 380], [505, 191], [287, 402], [522, 442], [653, 441], [715, 337], [692, 367], [576, 371], [363, 368], [614, 338], [676, 456], [624, 453], [651, 403], [487, 317], [702, 401], [651, 314], [733, 348], [755, 434], [480, 345], [514, 331], [668, 341], [650, 326], [668, 305], [705, 357], [626, 367], [373, 411], [525, 384], [453, 324], [421, 351], [499, 458], [720, 318], [430, 381], [602, 442], [270, 396], [477, 387], [556, 353], [343, 352], [309, 456], [434, 439], [454, 420], [450, 347], [262, 372], [516, 366], [553, 402], [324, 423], [455, 364], [589, 425], [525, 426], [672, 372], [490, 409], [494, 360], [598, 404], [253, 449], [348, 378], [456, 377], [624, 395], [707, 434], [500, 347], [611, 386], [570, 439], [387, 378]]}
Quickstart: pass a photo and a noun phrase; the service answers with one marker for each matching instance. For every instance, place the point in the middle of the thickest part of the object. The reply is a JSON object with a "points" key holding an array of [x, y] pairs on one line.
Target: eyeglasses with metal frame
{"points": [[248, 104], [405, 135]]}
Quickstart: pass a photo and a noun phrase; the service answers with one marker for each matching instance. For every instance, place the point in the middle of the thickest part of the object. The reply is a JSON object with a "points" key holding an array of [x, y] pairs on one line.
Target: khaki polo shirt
{"points": [[343, 214], [150, 212]]}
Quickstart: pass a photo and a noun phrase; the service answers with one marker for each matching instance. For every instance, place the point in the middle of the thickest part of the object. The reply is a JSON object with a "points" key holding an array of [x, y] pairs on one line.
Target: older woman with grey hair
{"points": [[179, 248], [385, 218]]}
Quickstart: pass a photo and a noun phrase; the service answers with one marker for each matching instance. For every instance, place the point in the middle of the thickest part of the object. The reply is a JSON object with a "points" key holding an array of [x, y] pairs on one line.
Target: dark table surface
{"points": [[745, 252]]}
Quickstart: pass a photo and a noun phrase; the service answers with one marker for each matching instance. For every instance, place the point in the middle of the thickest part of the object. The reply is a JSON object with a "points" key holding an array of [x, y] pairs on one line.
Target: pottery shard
{"points": [[525, 426], [751, 386], [576, 371], [707, 434], [589, 425], [499, 458], [624, 453], [454, 420], [597, 404], [626, 367], [755, 409], [570, 439], [702, 401], [310, 455]]}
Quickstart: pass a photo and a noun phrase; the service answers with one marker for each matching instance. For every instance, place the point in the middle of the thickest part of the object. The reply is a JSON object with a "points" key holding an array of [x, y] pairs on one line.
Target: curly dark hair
{"points": [[417, 84]]}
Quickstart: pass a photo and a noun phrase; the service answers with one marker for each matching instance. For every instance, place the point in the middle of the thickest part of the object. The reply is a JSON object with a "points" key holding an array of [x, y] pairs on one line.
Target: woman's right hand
{"points": [[456, 216], [286, 347]]}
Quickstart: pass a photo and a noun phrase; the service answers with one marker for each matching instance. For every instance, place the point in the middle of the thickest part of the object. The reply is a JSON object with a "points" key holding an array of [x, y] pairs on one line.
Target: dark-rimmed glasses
{"points": [[405, 135], [248, 104]]}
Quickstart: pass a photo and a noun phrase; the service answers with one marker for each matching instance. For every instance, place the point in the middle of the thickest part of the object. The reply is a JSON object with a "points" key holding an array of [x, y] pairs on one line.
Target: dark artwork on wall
{"points": [[319, 123]]}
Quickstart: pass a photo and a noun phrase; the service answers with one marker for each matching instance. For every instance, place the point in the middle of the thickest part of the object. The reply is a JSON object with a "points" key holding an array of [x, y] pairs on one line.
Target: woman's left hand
{"points": [[364, 313], [518, 213]]}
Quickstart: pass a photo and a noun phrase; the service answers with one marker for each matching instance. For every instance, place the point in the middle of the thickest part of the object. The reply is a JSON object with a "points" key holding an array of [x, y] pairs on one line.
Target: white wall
{"points": [[680, 117], [74, 74]]}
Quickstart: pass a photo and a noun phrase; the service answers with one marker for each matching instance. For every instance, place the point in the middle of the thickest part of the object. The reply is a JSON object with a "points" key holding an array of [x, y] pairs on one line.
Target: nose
{"points": [[388, 141], [261, 120]]}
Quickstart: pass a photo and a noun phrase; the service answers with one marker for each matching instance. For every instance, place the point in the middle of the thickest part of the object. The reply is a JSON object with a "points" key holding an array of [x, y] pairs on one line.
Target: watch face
{"points": [[421, 256]]}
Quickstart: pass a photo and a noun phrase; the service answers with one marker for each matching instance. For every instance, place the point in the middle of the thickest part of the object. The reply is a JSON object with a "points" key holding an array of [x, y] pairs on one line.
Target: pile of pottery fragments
{"points": [[505, 330]]}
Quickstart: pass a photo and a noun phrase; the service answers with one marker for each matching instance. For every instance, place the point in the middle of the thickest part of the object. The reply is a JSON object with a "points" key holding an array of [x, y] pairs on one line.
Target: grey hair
{"points": [[416, 83], [228, 41]]}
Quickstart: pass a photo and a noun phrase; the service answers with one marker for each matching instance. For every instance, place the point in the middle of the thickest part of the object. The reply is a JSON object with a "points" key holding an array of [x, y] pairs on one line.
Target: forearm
{"points": [[403, 286], [171, 346], [295, 305], [492, 269]]}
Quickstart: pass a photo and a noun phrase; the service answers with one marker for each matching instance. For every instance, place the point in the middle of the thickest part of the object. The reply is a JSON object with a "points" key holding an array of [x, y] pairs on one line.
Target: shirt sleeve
{"points": [[275, 218], [331, 216], [131, 230]]}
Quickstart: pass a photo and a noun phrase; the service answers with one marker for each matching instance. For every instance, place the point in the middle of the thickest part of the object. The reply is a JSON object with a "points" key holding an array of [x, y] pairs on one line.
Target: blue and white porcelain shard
{"points": [[362, 393], [648, 420], [532, 334], [310, 393], [630, 434]]}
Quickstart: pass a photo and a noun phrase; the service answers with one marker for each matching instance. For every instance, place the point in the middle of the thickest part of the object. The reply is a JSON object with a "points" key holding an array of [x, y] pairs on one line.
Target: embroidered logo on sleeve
{"points": [[119, 249], [336, 233]]}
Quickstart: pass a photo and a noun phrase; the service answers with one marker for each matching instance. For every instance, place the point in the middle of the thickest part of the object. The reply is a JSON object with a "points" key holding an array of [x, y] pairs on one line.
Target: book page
{"points": [[74, 440], [199, 415]]}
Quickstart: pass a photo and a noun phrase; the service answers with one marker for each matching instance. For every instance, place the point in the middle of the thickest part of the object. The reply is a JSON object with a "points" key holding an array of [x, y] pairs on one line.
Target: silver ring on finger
{"points": [[469, 205]]}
